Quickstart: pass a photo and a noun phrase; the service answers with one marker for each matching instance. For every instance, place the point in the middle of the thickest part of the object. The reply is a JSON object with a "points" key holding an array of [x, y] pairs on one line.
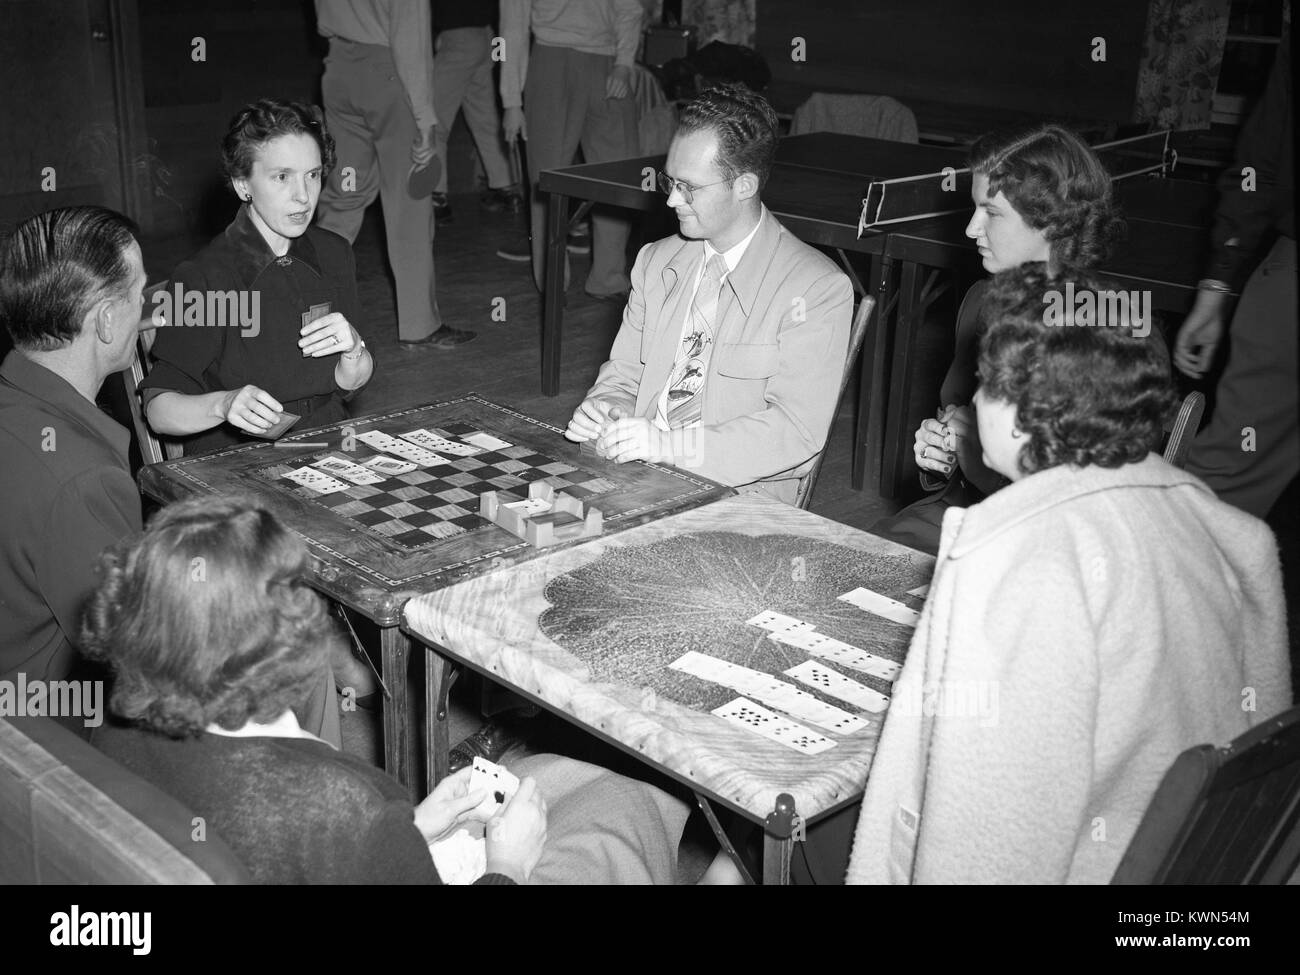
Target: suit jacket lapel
{"points": [[679, 276]]}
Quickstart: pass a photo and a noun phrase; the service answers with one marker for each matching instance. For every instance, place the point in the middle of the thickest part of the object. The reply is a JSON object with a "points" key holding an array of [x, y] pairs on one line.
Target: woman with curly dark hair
{"points": [[1040, 195], [1085, 625], [215, 637], [261, 322]]}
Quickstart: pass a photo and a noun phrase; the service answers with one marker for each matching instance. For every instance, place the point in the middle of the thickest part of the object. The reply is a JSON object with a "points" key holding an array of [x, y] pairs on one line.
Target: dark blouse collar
{"points": [[253, 254]]}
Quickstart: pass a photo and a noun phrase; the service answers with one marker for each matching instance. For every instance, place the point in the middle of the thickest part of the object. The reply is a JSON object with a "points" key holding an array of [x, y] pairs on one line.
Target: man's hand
{"points": [[619, 82], [448, 806], [517, 834], [424, 147], [589, 419], [251, 409], [512, 124], [634, 438], [1201, 333]]}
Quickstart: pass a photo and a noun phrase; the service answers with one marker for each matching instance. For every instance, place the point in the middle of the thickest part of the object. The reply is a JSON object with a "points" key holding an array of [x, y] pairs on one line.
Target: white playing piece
{"points": [[347, 470], [836, 684], [389, 466], [883, 606], [746, 714], [530, 506], [772, 620], [486, 441], [315, 480], [847, 655], [773, 692], [401, 448], [431, 441]]}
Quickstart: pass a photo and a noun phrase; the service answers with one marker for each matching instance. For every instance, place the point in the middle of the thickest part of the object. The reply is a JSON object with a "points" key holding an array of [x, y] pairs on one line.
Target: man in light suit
{"points": [[733, 341]]}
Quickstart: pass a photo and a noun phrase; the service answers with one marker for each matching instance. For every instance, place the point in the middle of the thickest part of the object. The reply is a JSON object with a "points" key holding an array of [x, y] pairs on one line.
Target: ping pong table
{"points": [[815, 189], [905, 207]]}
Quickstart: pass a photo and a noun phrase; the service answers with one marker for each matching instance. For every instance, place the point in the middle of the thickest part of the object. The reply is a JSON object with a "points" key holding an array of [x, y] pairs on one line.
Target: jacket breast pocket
{"points": [[742, 360]]}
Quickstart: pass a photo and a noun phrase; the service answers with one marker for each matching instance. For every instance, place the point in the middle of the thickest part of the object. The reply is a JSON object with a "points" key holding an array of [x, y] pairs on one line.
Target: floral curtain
{"points": [[732, 21], [1181, 57]]}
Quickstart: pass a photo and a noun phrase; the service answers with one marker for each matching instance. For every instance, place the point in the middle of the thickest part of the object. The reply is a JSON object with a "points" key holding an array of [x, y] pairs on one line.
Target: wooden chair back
{"points": [[153, 450], [1184, 428], [856, 336], [1224, 815]]}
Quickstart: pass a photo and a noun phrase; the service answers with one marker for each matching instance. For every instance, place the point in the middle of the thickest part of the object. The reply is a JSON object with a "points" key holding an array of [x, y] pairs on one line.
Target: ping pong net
{"points": [[905, 198]]}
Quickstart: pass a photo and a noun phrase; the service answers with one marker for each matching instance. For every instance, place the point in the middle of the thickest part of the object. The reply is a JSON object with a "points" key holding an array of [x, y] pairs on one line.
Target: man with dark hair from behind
{"points": [[71, 291]]}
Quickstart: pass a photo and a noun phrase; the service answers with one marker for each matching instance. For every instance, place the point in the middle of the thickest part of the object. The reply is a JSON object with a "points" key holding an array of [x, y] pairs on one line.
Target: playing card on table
{"points": [[878, 605], [407, 451], [315, 480], [773, 692], [279, 428], [746, 714], [486, 441], [836, 684], [431, 441], [388, 466], [771, 620], [854, 658], [347, 470], [804, 637]]}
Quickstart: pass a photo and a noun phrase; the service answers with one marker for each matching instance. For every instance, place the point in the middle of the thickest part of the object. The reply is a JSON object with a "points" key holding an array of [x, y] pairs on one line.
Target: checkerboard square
{"points": [[400, 509], [456, 495], [392, 527]]}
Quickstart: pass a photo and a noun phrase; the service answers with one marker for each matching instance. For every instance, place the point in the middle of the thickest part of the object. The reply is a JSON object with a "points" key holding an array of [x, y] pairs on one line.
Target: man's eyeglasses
{"points": [[667, 184]]}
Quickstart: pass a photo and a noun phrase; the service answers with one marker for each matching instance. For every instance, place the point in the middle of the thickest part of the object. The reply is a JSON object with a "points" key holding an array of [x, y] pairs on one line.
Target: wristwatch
{"points": [[360, 350]]}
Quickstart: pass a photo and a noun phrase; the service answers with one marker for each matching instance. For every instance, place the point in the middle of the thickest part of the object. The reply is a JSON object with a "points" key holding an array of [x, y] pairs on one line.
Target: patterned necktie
{"points": [[682, 404]]}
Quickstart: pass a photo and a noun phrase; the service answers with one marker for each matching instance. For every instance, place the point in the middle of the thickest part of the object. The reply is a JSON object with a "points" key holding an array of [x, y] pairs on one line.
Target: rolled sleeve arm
{"points": [[410, 35]]}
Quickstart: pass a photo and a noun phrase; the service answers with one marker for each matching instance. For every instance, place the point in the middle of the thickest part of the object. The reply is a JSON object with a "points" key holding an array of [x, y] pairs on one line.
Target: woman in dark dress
{"points": [[261, 321], [1040, 195]]}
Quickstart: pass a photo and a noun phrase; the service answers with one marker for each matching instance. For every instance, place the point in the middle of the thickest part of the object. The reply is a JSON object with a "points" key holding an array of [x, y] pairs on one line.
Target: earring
{"points": [[1015, 434]]}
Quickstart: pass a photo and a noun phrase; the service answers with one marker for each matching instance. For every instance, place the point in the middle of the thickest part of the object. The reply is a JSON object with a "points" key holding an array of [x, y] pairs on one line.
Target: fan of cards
{"points": [[462, 857]]}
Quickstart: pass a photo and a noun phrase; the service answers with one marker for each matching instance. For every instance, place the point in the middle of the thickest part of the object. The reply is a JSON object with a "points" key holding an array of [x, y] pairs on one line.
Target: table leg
{"points": [[723, 839], [778, 841], [557, 226], [401, 759], [873, 377], [441, 675], [915, 300]]}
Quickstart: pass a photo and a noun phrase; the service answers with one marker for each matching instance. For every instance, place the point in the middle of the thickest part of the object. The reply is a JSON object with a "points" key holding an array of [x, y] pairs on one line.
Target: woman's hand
{"points": [[327, 335], [517, 834], [448, 807], [932, 448], [250, 408]]}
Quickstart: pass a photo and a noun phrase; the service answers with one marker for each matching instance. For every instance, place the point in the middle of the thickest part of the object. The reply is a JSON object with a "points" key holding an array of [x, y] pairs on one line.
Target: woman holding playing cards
{"points": [[261, 323], [1040, 195], [208, 674]]}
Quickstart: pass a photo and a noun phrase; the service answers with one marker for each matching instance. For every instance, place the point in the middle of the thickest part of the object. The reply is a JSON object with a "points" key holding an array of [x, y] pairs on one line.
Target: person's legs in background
{"points": [[554, 116], [455, 58], [354, 183], [609, 132], [1250, 451], [483, 119]]}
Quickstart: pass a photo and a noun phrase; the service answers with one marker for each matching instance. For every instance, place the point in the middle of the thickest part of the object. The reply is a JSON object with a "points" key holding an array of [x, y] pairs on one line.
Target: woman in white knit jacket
{"points": [[1085, 624]]}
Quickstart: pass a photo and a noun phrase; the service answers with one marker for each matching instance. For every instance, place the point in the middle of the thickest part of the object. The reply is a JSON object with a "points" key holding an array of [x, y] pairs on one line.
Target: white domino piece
{"points": [[883, 606], [799, 704], [835, 684], [855, 658], [744, 713]]}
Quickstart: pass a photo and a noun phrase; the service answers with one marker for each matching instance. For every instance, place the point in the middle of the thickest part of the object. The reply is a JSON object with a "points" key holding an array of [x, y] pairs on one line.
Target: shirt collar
{"points": [[253, 254], [52, 389], [733, 254]]}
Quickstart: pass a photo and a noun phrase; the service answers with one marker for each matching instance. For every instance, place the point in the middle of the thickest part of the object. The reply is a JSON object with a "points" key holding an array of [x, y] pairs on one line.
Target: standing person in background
{"points": [[378, 93], [574, 88], [462, 80], [1250, 451]]}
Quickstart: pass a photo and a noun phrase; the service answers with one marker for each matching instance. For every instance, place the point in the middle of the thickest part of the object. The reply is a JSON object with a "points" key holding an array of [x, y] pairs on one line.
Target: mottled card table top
{"points": [[589, 631]]}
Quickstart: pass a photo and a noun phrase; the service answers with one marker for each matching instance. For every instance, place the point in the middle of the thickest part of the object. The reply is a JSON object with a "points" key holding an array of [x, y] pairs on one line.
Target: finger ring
{"points": [[924, 454]]}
